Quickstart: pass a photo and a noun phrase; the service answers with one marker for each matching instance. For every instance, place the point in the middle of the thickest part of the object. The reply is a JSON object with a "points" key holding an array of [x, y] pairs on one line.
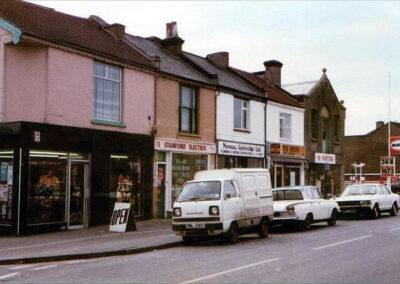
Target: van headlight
{"points": [[365, 202], [213, 210], [177, 212]]}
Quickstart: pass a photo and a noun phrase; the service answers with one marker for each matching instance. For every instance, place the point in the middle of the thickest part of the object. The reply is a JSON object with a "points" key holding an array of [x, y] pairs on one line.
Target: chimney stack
{"points": [[379, 124], [117, 30], [173, 43], [273, 72], [221, 59]]}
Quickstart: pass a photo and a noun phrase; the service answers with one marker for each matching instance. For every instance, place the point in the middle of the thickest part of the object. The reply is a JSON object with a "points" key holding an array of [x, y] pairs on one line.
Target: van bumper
{"points": [[208, 230]]}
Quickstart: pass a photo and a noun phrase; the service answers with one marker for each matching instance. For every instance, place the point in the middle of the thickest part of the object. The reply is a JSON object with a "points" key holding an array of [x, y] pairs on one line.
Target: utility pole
{"points": [[389, 179]]}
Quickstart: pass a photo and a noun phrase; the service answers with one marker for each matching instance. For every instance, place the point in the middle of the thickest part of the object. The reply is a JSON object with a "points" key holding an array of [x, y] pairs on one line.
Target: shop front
{"points": [[287, 164], [325, 173], [58, 177], [175, 163], [240, 155]]}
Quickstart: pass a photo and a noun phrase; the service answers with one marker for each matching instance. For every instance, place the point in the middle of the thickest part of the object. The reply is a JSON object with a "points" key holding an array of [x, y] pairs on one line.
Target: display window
{"points": [[125, 180], [6, 186], [47, 187], [184, 167]]}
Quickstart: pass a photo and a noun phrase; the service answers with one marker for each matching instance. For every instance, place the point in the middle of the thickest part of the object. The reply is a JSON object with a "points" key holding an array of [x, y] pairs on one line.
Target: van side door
{"points": [[231, 202], [250, 196]]}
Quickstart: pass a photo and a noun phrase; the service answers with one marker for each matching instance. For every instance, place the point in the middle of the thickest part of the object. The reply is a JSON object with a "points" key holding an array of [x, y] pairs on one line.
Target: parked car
{"points": [[368, 199], [302, 206], [224, 202]]}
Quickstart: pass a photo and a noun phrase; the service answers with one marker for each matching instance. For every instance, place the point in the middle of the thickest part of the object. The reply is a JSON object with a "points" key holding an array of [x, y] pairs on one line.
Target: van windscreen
{"points": [[203, 190], [287, 195]]}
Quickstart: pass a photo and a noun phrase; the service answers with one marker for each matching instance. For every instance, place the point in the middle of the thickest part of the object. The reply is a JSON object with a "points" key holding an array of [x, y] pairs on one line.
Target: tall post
{"points": [[389, 179]]}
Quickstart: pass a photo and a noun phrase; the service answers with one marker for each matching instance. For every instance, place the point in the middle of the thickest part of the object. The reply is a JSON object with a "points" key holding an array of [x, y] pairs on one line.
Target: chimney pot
{"points": [[221, 59], [273, 72], [117, 30], [172, 30]]}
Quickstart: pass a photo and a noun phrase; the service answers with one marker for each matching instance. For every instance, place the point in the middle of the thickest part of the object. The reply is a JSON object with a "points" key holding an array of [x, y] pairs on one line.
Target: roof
{"points": [[71, 31], [226, 78], [298, 187], [169, 63], [274, 93], [301, 88]]}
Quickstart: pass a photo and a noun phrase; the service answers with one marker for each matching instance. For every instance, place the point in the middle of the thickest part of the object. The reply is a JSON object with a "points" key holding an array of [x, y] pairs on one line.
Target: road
{"points": [[355, 251]]}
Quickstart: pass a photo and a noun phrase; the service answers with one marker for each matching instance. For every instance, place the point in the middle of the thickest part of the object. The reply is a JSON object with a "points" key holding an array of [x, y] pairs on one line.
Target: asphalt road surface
{"points": [[355, 251]]}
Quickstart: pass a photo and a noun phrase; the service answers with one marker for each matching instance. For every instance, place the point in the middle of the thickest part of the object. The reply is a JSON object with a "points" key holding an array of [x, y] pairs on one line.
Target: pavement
{"points": [[92, 242]]}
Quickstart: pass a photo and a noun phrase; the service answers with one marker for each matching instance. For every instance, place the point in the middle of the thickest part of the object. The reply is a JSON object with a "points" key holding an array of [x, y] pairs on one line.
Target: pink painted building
{"points": [[76, 117]]}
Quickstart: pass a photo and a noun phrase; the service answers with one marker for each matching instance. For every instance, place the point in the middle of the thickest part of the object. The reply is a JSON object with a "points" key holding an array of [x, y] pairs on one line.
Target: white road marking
{"points": [[229, 271], [342, 242], [10, 276], [44, 267], [22, 266], [82, 239], [394, 229]]}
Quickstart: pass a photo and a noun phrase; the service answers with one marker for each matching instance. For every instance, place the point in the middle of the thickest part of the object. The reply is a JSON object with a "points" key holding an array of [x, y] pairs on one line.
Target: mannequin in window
{"points": [[47, 194]]}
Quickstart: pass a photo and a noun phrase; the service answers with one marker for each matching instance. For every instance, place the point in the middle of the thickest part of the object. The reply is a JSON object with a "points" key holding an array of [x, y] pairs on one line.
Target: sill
{"points": [[241, 130], [108, 123], [337, 143], [314, 139], [188, 134]]}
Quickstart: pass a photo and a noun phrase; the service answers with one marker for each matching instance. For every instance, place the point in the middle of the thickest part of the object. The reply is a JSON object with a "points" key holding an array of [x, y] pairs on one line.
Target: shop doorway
{"points": [[78, 195], [161, 182]]}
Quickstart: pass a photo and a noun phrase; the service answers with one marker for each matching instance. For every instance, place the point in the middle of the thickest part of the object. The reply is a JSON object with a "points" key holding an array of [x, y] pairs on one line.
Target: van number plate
{"points": [[195, 226]]}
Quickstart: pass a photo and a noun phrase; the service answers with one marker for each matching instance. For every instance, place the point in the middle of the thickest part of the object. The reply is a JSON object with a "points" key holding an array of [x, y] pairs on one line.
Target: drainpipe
{"points": [[216, 127]]}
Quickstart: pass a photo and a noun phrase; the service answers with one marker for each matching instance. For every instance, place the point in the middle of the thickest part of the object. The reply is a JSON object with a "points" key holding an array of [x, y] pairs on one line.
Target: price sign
{"points": [[388, 166]]}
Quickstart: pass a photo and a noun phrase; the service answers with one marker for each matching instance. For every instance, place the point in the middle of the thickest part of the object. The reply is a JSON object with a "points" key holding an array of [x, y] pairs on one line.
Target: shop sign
{"points": [[321, 158], [183, 146], [395, 145], [36, 136], [288, 150], [240, 149], [388, 166], [120, 217]]}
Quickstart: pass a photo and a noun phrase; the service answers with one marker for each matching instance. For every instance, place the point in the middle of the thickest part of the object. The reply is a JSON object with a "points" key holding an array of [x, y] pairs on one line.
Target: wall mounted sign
{"points": [[241, 149], [321, 158], [388, 166], [394, 145], [184, 146], [288, 150]]}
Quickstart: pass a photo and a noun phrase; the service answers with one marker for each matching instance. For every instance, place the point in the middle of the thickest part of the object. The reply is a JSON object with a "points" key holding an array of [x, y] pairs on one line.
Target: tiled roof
{"points": [[226, 78], [169, 63], [273, 93], [301, 88], [84, 34]]}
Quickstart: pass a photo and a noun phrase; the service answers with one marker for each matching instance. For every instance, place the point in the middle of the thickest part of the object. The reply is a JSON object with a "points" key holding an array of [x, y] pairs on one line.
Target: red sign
{"points": [[394, 145], [388, 166]]}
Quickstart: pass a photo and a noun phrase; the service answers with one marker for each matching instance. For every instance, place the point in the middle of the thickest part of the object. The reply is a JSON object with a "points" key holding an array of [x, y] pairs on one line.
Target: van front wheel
{"points": [[233, 233], [263, 229]]}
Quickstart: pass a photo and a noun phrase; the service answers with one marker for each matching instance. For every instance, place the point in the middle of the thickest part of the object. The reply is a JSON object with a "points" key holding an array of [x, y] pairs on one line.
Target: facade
{"points": [[284, 127], [324, 120], [72, 133], [374, 146]]}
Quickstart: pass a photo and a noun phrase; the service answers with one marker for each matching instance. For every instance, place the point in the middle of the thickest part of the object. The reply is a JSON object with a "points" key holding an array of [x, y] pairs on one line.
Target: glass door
{"points": [[78, 195]]}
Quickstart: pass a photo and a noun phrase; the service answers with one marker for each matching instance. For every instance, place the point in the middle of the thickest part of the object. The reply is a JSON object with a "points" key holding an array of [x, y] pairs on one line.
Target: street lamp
{"points": [[358, 166]]}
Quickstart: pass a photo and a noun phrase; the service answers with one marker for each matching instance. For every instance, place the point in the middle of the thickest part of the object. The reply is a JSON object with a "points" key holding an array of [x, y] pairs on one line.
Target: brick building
{"points": [[368, 149]]}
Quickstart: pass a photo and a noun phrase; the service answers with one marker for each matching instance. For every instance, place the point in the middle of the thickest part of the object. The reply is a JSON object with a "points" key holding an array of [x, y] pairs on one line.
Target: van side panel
{"points": [[263, 186], [250, 195]]}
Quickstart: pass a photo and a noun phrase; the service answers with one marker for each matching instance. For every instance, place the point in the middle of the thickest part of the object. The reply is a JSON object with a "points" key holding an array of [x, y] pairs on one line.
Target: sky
{"points": [[358, 42]]}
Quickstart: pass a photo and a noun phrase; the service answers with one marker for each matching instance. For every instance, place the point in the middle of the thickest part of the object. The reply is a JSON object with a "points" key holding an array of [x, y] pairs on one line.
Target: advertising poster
{"points": [[3, 173], [3, 192], [395, 145], [10, 175]]}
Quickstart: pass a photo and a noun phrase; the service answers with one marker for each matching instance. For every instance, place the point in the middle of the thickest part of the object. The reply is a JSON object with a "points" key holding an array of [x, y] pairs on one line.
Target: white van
{"points": [[227, 202]]}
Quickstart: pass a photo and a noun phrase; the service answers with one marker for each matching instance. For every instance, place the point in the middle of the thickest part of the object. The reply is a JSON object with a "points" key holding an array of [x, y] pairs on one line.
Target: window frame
{"points": [[193, 110], [337, 129], [244, 114], [283, 129], [233, 186], [119, 121], [314, 124]]}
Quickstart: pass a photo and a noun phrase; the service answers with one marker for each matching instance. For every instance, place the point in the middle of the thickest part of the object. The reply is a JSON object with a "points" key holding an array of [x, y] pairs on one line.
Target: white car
{"points": [[369, 199], [303, 205]]}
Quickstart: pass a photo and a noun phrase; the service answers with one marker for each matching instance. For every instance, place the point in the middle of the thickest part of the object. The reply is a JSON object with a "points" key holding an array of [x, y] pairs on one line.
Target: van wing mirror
{"points": [[228, 195]]}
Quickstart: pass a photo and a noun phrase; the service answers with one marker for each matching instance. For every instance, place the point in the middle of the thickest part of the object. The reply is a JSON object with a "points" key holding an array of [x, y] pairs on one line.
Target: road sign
{"points": [[388, 166]]}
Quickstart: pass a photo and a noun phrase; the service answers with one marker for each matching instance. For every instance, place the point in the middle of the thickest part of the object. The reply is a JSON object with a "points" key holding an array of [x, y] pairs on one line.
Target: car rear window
{"points": [[287, 195]]}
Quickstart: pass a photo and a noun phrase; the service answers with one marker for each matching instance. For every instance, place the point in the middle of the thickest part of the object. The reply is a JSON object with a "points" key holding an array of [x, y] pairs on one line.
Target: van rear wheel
{"points": [[233, 234], [263, 229]]}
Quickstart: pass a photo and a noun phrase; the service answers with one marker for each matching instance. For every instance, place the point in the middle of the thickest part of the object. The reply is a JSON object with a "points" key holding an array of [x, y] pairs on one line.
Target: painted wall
{"points": [[225, 119], [273, 115], [53, 86], [167, 112]]}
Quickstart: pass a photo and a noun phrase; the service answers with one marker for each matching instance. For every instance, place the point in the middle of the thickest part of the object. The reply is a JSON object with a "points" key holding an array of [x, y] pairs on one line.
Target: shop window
{"points": [[125, 180], [188, 110], [337, 128], [240, 113], [106, 92], [314, 123], [6, 186], [285, 126], [47, 187], [184, 166]]}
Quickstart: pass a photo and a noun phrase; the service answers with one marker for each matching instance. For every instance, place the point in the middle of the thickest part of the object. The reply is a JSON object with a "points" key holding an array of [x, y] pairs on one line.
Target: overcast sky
{"points": [[358, 42]]}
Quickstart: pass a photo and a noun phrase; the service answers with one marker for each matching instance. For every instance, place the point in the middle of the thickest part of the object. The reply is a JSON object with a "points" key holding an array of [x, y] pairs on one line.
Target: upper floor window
{"points": [[337, 128], [314, 123], [106, 92], [188, 110], [240, 113], [285, 125]]}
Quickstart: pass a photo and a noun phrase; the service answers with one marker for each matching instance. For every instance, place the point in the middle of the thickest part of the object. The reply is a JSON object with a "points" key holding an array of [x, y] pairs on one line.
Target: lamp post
{"points": [[358, 166]]}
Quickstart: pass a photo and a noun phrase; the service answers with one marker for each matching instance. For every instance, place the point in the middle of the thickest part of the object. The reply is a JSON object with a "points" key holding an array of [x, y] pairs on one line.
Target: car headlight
{"points": [[213, 210], [290, 209], [177, 212], [365, 202]]}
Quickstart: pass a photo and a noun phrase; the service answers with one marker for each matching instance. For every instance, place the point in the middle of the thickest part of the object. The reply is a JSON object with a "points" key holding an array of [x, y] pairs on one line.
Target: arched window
{"points": [[325, 129]]}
